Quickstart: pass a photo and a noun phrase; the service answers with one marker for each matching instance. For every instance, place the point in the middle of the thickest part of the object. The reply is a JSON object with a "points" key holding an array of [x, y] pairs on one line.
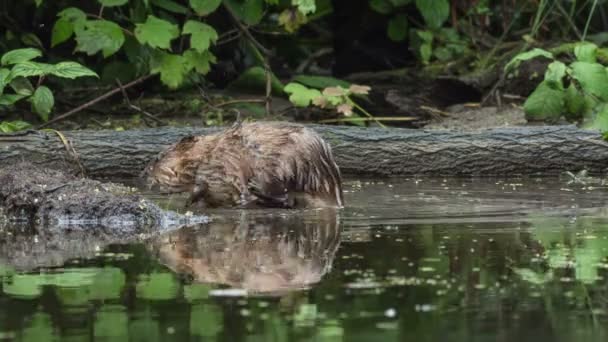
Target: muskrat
{"points": [[261, 164]]}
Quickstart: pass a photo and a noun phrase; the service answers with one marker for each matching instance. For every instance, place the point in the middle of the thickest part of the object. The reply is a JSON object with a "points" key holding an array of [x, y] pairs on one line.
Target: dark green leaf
{"points": [[9, 99], [62, 31], [434, 12], [42, 102], [397, 28], [204, 7], [381, 6], [156, 32], [202, 35], [255, 79], [71, 70], [30, 39], [74, 15], [21, 86], [100, 35], [575, 102], [20, 55], [4, 78], [170, 6], [545, 103], [248, 11], [112, 3]]}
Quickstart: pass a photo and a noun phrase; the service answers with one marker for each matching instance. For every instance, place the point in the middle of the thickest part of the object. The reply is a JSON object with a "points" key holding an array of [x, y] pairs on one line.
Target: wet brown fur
{"points": [[251, 165]]}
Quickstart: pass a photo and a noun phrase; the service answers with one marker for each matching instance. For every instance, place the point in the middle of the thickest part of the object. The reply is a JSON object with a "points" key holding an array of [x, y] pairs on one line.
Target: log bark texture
{"points": [[360, 151]]}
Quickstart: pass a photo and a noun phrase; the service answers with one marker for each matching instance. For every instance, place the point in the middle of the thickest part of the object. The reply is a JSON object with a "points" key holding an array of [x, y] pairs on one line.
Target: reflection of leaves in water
{"points": [[108, 284], [533, 277], [206, 320], [144, 328], [39, 329], [157, 286], [111, 321], [196, 292], [22, 286]]}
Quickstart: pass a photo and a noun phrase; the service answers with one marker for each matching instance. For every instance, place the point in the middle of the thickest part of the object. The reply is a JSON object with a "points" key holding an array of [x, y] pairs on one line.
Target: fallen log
{"points": [[545, 150]]}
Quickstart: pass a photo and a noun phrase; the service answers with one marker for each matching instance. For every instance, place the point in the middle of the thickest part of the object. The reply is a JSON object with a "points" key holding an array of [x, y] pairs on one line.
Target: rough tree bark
{"points": [[361, 151]]}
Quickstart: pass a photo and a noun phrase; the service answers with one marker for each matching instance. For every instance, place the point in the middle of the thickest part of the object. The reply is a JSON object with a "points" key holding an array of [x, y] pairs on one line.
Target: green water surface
{"points": [[406, 260]]}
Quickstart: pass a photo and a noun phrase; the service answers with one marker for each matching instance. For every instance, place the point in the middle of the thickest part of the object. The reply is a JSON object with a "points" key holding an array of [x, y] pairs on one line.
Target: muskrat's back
{"points": [[254, 164]]}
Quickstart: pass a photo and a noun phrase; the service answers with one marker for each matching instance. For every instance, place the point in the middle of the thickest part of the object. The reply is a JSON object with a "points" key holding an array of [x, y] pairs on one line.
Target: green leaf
{"points": [[100, 35], [20, 55], [112, 3], [13, 126], [320, 82], [248, 11], [62, 31], [74, 15], [426, 51], [397, 28], [300, 95], [202, 35], [555, 74], [4, 78], [200, 61], [399, 3], [600, 121], [586, 52], [156, 32], [28, 69], [170, 6], [575, 103], [255, 78], [545, 103], [381, 6], [592, 77], [157, 286], [72, 70], [524, 56], [30, 39], [10, 99], [204, 7], [43, 102], [434, 12], [172, 68], [305, 6], [38, 3], [21, 86], [117, 70]]}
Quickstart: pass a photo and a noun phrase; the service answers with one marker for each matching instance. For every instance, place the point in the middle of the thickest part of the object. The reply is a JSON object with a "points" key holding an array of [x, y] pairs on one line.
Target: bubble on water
{"points": [[390, 313]]}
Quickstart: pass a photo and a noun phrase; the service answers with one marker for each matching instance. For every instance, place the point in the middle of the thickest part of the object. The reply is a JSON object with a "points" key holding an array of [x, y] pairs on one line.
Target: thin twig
{"points": [[94, 101], [231, 102], [134, 107], [265, 53]]}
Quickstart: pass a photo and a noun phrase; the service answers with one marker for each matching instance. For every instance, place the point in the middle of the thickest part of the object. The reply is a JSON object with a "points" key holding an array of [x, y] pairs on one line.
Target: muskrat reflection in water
{"points": [[261, 253], [263, 164]]}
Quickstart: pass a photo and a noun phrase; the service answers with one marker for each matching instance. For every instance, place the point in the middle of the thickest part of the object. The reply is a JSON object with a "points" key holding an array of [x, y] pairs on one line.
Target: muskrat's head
{"points": [[174, 169]]}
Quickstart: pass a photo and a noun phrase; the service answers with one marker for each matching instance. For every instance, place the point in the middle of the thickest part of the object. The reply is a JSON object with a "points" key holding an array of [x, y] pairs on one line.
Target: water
{"points": [[407, 260]]}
